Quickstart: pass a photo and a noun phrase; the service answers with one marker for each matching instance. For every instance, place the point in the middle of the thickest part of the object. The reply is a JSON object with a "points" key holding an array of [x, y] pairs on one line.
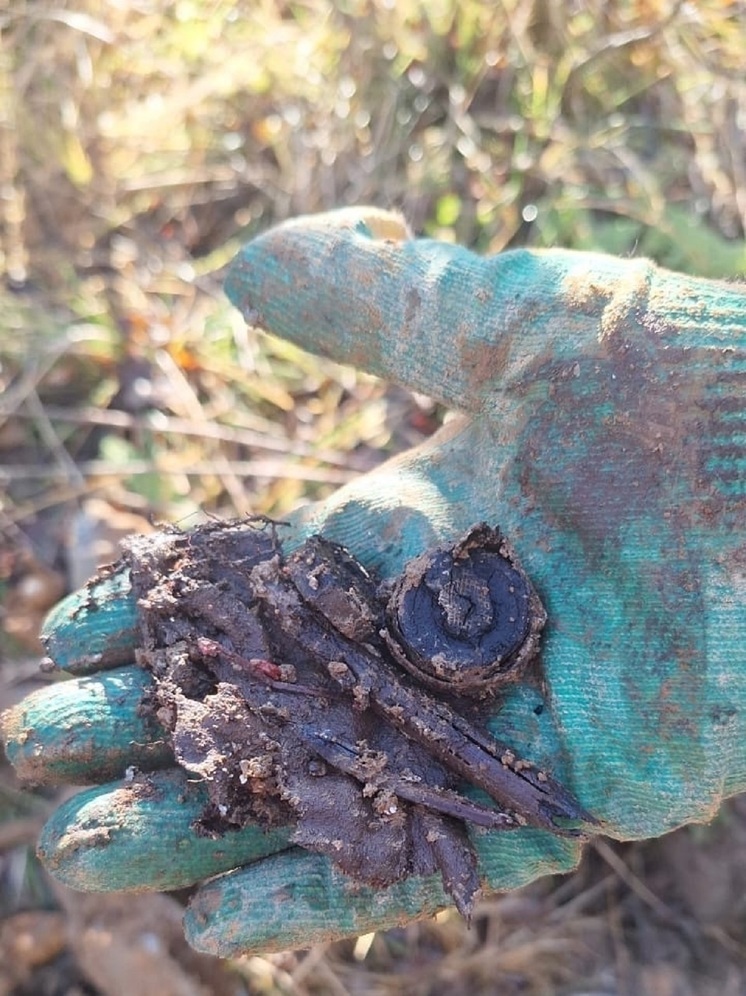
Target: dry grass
{"points": [[141, 141]]}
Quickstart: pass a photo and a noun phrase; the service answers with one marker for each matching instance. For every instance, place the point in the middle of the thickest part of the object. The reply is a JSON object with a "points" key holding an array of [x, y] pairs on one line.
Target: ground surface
{"points": [[140, 143]]}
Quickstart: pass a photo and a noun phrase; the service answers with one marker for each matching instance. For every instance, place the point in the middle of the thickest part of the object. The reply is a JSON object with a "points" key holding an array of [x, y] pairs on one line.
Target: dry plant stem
{"points": [[19, 832], [165, 424], [242, 468], [637, 886]]}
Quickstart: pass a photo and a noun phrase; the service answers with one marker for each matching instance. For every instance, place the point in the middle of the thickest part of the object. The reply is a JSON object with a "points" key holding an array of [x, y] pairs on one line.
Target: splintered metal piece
{"points": [[304, 692], [353, 760], [465, 619]]}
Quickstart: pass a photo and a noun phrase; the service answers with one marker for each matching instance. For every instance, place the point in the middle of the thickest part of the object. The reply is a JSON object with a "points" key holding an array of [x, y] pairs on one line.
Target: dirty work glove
{"points": [[604, 432]]}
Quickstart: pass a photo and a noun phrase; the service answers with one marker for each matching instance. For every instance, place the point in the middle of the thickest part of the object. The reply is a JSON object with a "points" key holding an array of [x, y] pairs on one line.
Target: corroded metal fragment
{"points": [[465, 619]]}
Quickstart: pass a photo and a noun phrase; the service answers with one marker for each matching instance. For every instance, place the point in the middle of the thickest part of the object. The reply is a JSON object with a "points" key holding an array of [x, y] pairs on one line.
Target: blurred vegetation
{"points": [[141, 141]]}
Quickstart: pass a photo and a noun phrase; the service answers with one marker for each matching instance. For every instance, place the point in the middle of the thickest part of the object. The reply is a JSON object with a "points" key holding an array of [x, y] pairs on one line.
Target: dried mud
{"points": [[280, 681]]}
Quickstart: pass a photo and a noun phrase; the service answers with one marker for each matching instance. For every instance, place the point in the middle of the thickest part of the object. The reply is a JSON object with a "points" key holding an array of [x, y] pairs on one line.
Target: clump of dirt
{"points": [[280, 682]]}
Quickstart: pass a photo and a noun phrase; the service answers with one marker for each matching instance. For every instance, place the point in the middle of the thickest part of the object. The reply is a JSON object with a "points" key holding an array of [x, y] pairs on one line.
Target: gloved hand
{"points": [[605, 433]]}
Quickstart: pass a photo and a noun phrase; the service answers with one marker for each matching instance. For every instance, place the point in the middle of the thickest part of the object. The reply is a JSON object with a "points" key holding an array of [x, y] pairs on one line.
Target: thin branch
{"points": [[277, 469], [173, 425]]}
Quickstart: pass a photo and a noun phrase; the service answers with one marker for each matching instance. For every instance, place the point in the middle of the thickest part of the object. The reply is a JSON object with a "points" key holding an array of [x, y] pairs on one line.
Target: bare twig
{"points": [[267, 468], [160, 422]]}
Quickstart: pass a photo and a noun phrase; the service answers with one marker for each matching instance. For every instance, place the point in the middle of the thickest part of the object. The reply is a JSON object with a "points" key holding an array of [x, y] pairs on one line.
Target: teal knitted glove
{"points": [[604, 432]]}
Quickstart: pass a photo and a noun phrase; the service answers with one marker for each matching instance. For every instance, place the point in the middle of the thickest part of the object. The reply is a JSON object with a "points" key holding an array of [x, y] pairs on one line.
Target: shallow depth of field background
{"points": [[140, 144]]}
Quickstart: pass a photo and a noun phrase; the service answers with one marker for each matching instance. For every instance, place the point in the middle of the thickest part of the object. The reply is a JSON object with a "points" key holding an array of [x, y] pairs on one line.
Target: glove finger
{"points": [[95, 628], [427, 314], [85, 730], [440, 319], [296, 899], [139, 835]]}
